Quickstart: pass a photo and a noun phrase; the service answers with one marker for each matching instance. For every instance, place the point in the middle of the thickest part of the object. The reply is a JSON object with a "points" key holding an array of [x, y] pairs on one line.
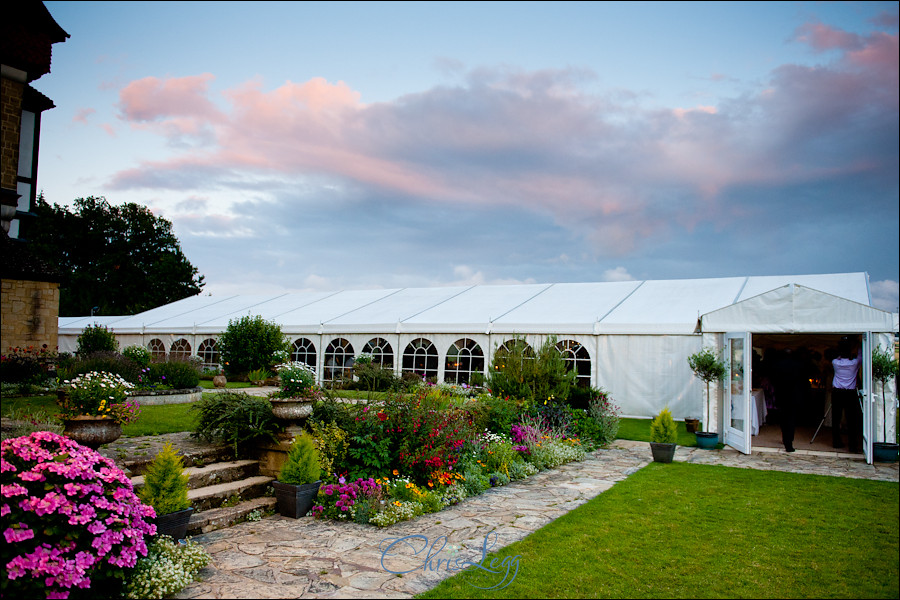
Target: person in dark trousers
{"points": [[790, 391], [844, 397]]}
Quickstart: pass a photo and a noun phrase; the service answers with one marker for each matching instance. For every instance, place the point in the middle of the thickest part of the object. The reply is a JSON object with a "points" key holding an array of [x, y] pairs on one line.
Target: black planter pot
{"points": [[707, 440], [174, 524], [691, 425], [885, 451], [663, 453], [295, 501]]}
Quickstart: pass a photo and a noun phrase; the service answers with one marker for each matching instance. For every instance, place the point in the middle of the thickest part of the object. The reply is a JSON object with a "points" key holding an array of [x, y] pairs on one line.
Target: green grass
{"points": [[639, 429], [698, 531], [154, 419], [208, 384]]}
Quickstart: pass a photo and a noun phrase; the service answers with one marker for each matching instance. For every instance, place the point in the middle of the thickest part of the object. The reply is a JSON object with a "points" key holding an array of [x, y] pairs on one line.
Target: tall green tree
{"points": [[120, 259]]}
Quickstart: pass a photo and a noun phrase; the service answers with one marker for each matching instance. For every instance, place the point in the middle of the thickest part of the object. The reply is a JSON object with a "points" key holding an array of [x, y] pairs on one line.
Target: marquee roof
{"points": [[627, 307]]}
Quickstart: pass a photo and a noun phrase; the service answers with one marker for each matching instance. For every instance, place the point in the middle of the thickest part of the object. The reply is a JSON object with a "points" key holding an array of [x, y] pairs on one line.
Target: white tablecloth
{"points": [[758, 412]]}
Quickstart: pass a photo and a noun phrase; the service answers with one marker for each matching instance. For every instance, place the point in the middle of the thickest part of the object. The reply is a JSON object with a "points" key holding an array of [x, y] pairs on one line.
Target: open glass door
{"points": [[866, 398], [737, 391]]}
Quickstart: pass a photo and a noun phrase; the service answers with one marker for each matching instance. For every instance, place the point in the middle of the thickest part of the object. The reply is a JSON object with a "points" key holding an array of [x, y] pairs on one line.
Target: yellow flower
{"points": [[396, 472]]}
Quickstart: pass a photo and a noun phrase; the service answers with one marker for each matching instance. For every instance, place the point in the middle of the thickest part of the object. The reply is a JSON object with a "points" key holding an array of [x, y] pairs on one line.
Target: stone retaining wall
{"points": [[147, 398]]}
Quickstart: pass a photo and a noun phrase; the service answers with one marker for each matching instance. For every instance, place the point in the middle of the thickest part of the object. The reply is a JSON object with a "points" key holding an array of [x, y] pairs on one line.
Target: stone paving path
{"points": [[279, 557]]}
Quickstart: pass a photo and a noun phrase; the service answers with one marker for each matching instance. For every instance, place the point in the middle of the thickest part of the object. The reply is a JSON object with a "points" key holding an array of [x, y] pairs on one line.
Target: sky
{"points": [[332, 146]]}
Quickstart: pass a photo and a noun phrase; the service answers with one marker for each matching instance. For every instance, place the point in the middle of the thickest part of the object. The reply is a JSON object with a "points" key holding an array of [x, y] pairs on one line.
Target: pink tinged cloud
{"points": [[822, 38], [152, 99], [82, 115]]}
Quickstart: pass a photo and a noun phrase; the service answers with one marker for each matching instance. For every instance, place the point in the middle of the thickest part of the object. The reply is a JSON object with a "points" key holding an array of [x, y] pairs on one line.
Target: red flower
{"points": [[382, 416]]}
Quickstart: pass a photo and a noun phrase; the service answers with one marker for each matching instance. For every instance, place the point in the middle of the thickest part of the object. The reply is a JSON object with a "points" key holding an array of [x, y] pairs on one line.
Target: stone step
{"points": [[134, 454], [213, 496], [220, 518], [220, 472]]}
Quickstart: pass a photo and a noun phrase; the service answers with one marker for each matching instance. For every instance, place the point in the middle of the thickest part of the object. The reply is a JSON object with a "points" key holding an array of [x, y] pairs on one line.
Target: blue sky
{"points": [[330, 146]]}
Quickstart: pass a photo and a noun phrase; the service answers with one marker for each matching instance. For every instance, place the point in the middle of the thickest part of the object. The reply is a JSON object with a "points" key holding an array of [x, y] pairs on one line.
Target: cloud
{"points": [[82, 115], [886, 295], [617, 274], [613, 173]]}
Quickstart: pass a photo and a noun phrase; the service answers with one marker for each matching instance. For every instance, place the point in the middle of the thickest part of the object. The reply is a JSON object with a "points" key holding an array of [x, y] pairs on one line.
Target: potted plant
{"points": [[298, 481], [94, 406], [294, 401], [166, 490], [884, 367], [692, 424], [707, 367], [663, 433]]}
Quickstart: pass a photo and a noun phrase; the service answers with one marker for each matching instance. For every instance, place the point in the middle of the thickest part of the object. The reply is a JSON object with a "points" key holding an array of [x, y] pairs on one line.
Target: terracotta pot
{"points": [[92, 431]]}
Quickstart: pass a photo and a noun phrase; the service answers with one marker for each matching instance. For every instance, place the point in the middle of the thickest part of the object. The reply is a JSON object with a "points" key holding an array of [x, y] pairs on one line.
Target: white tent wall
{"points": [[645, 373], [885, 341]]}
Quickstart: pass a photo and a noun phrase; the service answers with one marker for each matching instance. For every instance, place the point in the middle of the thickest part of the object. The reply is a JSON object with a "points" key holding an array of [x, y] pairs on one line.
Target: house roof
{"points": [[629, 307]]}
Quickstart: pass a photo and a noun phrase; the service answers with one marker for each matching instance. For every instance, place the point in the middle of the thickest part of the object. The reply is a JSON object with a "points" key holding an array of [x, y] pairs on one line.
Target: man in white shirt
{"points": [[844, 397]]}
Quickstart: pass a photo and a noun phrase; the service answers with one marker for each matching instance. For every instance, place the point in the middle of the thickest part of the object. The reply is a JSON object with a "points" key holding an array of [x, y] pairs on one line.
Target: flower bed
{"points": [[405, 457]]}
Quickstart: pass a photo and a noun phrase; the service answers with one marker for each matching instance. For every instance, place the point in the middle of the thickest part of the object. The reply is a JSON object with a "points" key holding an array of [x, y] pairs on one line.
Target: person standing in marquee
{"points": [[844, 397]]}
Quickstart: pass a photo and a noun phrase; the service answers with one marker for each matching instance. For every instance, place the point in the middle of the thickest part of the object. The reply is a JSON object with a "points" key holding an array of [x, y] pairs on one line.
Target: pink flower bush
{"points": [[70, 519]]}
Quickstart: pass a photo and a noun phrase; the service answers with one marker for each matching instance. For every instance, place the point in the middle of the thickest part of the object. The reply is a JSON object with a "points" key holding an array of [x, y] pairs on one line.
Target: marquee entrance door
{"points": [[736, 415]]}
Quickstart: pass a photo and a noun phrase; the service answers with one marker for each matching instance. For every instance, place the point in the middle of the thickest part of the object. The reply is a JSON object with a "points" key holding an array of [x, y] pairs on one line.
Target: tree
{"points": [[251, 343], [119, 259], [707, 367]]}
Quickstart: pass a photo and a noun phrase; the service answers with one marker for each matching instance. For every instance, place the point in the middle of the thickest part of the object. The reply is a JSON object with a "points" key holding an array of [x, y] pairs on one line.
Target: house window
{"points": [[157, 350], [338, 360], [577, 359], [208, 352], [304, 351], [421, 358], [464, 359], [381, 351], [180, 350]]}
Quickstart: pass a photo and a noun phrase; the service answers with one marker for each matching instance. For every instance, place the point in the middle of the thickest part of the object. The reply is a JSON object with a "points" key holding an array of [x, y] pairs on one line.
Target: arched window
{"points": [[421, 357], [208, 351], [381, 351], [157, 350], [577, 358], [180, 350], [304, 351], [518, 348], [338, 360], [464, 359]]}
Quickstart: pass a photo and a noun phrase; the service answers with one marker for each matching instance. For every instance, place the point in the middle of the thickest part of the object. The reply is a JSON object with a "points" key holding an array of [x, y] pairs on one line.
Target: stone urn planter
{"points": [[92, 431], [291, 409], [219, 381]]}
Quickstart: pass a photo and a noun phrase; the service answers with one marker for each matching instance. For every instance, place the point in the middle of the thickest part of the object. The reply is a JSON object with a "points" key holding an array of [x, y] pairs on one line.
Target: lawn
{"points": [[154, 419], [697, 531]]}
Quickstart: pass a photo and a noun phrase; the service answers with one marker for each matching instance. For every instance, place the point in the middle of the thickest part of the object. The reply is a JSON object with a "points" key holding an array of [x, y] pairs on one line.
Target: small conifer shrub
{"points": [[302, 464], [663, 429], [165, 484]]}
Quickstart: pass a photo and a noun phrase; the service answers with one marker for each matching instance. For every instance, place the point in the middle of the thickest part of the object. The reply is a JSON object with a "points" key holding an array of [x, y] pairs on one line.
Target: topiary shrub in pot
{"points": [[166, 490], [298, 481], [663, 433]]}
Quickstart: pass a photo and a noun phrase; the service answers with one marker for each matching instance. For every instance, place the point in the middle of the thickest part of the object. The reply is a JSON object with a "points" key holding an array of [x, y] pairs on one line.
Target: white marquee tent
{"points": [[632, 338]]}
